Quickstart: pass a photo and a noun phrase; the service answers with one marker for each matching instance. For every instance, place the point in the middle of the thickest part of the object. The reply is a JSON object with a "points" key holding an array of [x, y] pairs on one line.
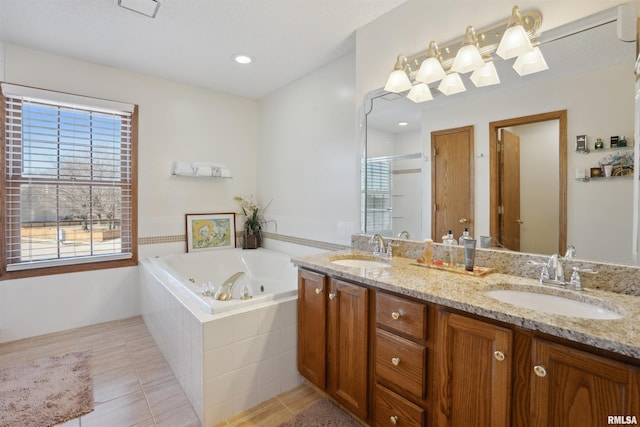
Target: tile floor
{"points": [[133, 383]]}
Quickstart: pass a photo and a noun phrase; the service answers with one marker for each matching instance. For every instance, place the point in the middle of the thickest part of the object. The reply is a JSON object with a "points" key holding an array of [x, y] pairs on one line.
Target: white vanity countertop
{"points": [[467, 293]]}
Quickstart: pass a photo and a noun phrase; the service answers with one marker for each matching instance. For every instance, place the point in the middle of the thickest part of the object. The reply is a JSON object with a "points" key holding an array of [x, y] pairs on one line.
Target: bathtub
{"points": [[227, 355], [268, 275]]}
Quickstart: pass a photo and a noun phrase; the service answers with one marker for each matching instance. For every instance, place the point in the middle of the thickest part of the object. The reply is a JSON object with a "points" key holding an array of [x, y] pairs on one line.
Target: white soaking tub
{"points": [[227, 355]]}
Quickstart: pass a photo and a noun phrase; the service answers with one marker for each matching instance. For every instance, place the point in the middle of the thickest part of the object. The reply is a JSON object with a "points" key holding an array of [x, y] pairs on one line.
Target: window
{"points": [[69, 182], [378, 196]]}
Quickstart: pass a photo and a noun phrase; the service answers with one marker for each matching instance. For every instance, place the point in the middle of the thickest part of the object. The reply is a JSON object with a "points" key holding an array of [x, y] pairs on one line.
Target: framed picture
{"points": [[210, 231]]}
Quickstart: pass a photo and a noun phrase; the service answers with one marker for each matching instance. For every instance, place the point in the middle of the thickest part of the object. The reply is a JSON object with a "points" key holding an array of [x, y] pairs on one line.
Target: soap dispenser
{"points": [[465, 236], [450, 249]]}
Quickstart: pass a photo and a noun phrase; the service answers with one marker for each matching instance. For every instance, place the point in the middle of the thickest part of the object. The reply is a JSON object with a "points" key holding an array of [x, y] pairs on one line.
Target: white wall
{"points": [[176, 122], [308, 158]]}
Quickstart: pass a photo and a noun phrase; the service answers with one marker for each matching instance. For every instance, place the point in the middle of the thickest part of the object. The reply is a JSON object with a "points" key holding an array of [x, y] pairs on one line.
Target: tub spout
{"points": [[224, 293]]}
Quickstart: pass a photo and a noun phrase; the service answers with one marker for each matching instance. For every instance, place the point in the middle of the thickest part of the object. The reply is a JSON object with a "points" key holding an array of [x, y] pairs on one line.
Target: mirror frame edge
{"points": [[494, 127]]}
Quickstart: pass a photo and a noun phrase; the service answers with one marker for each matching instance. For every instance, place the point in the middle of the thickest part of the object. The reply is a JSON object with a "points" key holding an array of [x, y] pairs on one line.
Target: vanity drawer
{"points": [[401, 362], [402, 315], [393, 410]]}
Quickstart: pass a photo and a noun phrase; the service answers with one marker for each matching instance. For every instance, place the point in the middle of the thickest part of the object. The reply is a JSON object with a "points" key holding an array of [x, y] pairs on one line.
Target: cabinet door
{"points": [[575, 388], [474, 373], [348, 346], [312, 329]]}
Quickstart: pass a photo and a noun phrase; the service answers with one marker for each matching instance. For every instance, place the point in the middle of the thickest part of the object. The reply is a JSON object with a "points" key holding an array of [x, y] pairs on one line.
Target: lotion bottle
{"points": [[427, 253]]}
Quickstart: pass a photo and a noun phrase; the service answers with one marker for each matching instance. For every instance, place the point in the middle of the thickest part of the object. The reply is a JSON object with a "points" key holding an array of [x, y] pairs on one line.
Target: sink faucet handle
{"points": [[576, 280]]}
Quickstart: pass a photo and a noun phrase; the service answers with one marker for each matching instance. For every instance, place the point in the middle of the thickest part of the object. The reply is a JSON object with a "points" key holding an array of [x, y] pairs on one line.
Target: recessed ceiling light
{"points": [[403, 123], [243, 59]]}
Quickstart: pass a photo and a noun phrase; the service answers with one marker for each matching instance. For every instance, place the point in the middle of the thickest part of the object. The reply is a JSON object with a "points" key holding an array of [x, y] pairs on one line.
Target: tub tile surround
{"points": [[467, 293], [228, 362]]}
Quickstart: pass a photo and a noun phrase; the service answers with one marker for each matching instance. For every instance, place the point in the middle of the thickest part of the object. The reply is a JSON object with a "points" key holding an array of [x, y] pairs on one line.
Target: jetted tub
{"points": [[268, 275], [227, 355]]}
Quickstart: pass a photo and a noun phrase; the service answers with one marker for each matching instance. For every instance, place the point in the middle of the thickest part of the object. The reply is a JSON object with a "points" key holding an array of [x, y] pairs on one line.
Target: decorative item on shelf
{"points": [[581, 144], [596, 172], [201, 169], [614, 141], [599, 145], [471, 53], [622, 142], [254, 221], [621, 163]]}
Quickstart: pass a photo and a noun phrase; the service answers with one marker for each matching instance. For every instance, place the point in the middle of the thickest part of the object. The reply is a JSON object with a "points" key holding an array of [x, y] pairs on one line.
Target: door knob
{"points": [[518, 221], [463, 220]]}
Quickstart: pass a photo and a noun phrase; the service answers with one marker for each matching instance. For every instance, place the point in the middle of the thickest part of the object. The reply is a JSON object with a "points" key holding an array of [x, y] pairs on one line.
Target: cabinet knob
{"points": [[499, 356], [318, 291], [396, 315], [332, 295], [540, 371], [393, 419], [395, 361], [464, 220]]}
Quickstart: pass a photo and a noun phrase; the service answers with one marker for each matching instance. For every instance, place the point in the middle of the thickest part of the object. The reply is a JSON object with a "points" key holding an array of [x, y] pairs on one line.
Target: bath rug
{"points": [[323, 413], [47, 391]]}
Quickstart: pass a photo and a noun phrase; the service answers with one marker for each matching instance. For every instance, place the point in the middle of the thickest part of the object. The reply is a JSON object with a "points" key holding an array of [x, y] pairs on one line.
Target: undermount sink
{"points": [[361, 263], [554, 304]]}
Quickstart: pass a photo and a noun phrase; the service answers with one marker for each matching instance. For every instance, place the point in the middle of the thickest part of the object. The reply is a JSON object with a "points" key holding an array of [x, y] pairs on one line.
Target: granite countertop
{"points": [[467, 293]]}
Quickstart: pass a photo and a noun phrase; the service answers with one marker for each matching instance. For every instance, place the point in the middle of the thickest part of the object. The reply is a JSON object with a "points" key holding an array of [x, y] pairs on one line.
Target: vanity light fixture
{"points": [[144, 7], [398, 80], [468, 57], [451, 84], [420, 93], [515, 40], [530, 62], [486, 75], [513, 37]]}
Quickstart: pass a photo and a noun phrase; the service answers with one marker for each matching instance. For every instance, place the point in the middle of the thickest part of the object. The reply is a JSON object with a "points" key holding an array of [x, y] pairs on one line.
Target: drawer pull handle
{"points": [[498, 355], [395, 315], [332, 295], [393, 419], [318, 291], [540, 371], [395, 361]]}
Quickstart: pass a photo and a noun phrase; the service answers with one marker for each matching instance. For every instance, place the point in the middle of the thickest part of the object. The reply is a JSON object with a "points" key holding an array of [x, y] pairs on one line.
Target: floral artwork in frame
{"points": [[210, 231]]}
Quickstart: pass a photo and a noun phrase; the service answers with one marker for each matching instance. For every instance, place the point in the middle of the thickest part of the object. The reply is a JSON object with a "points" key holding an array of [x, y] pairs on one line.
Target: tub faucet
{"points": [[224, 293]]}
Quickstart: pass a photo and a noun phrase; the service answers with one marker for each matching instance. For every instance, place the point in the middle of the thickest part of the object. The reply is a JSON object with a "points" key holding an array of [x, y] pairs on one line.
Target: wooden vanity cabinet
{"points": [[312, 327], [573, 388], [401, 361], [473, 370], [333, 338]]}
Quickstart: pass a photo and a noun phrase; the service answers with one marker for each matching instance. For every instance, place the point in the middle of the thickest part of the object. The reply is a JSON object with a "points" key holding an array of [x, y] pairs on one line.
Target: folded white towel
{"points": [[204, 171], [209, 164], [225, 173], [182, 168]]}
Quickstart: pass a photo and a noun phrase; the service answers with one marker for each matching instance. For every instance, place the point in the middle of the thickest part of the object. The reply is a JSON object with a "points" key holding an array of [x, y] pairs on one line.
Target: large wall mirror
{"points": [[590, 79]]}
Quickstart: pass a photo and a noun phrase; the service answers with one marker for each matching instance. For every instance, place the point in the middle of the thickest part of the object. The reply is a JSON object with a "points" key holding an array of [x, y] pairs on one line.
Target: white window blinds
{"points": [[68, 180]]}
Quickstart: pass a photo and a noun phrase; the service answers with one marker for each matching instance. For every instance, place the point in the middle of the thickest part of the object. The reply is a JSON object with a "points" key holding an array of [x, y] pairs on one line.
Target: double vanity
{"points": [[399, 343]]}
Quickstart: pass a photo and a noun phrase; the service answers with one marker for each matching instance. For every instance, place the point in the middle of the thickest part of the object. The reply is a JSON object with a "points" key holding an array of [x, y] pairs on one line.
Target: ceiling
{"points": [[193, 41]]}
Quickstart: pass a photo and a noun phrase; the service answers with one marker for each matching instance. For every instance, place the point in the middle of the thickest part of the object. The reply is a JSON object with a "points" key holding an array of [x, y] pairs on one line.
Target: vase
{"points": [[251, 241]]}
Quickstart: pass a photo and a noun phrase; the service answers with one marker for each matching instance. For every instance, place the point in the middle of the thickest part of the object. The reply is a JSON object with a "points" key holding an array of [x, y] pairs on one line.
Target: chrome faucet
{"points": [[404, 233], [556, 264], [379, 248], [224, 293]]}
